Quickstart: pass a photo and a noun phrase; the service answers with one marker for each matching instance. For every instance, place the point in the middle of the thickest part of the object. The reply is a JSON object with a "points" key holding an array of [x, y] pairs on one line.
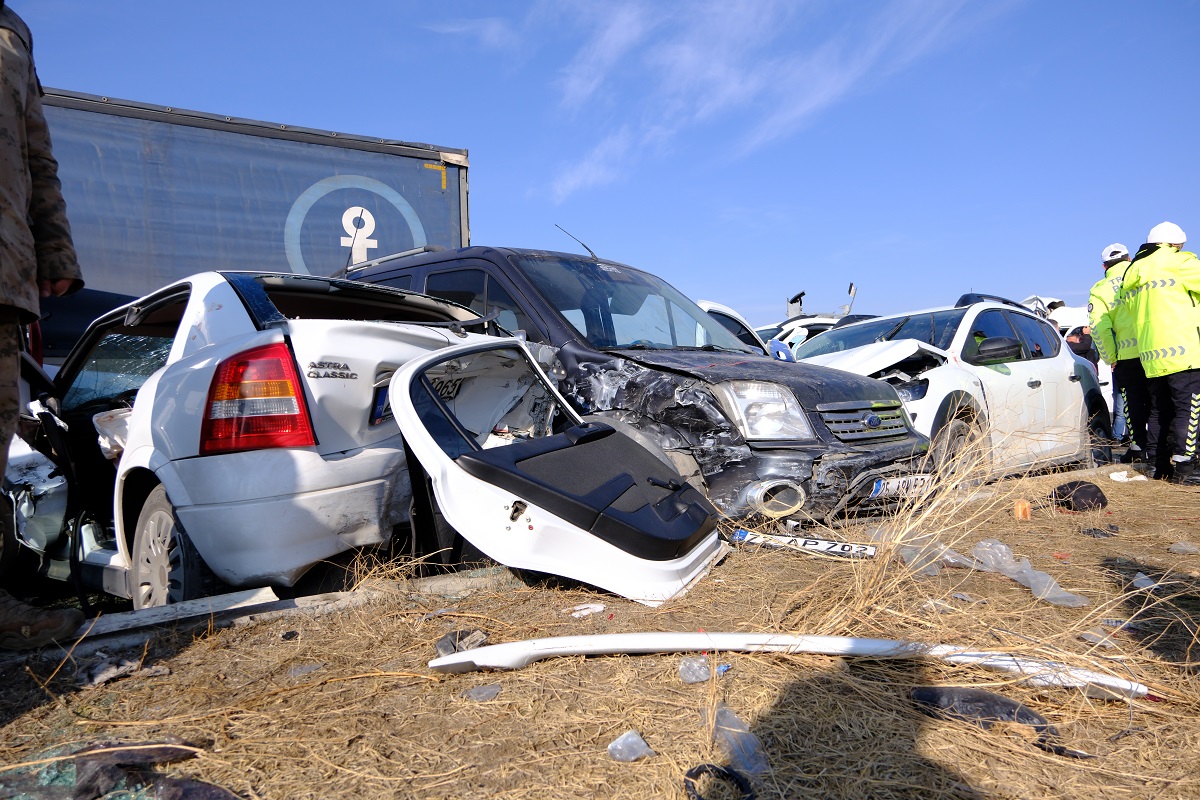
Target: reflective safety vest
{"points": [[1162, 290], [1113, 330]]}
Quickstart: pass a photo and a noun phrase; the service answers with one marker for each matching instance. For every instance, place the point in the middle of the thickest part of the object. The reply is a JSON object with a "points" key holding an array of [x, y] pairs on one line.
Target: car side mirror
{"points": [[996, 350]]}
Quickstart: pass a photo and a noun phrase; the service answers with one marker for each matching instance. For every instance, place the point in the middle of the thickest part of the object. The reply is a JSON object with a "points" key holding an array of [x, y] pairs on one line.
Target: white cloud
{"points": [[761, 69], [490, 32], [599, 167], [616, 35]]}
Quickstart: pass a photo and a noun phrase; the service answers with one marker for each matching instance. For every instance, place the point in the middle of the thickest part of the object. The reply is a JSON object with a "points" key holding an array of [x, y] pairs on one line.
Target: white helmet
{"points": [[1114, 251], [1166, 233]]}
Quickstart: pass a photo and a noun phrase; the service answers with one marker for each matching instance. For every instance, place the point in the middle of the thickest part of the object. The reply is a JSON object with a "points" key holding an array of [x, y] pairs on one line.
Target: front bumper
{"points": [[813, 482]]}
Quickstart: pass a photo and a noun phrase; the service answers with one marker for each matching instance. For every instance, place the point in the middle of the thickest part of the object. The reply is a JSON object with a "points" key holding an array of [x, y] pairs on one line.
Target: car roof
{"points": [[982, 303]]}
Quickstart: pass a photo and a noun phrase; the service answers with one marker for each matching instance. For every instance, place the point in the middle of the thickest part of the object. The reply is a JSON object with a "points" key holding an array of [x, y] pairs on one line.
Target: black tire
{"points": [[166, 567], [957, 452]]}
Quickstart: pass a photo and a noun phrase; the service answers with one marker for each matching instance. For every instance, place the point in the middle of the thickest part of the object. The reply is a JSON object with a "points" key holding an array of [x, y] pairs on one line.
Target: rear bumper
{"points": [[257, 522]]}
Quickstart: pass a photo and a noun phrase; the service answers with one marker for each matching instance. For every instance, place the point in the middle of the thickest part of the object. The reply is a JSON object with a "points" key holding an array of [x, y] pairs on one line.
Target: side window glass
{"points": [[400, 282], [115, 369], [464, 286], [511, 317], [987, 325], [744, 334], [1039, 339]]}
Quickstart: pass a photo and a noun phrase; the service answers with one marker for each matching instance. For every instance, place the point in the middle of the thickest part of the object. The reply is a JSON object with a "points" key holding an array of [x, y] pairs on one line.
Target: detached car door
{"points": [[525, 481]]}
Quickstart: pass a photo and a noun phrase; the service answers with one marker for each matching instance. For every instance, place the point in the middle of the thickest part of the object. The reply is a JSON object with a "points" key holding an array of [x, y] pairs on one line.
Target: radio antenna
{"points": [[585, 247]]}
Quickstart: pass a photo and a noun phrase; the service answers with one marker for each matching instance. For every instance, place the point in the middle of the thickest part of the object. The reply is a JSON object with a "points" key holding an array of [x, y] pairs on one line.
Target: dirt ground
{"points": [[342, 705]]}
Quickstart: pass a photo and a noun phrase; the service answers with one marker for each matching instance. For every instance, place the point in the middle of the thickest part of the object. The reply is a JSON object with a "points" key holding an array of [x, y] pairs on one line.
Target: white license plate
{"points": [[900, 487], [801, 543]]}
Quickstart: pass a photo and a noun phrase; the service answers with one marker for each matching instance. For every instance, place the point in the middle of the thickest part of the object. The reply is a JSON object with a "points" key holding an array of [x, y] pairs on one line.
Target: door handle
{"points": [[1033, 384], [1075, 379]]}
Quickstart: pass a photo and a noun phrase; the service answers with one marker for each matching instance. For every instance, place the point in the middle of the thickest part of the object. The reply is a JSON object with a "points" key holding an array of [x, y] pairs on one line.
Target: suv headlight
{"points": [[764, 410]]}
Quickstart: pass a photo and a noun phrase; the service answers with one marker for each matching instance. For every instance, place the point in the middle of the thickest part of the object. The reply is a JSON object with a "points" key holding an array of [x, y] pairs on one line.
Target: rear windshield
{"points": [[935, 328], [615, 307]]}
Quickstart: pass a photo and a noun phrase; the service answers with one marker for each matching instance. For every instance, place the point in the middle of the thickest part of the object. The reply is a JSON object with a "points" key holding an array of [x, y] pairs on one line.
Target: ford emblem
{"points": [[872, 421]]}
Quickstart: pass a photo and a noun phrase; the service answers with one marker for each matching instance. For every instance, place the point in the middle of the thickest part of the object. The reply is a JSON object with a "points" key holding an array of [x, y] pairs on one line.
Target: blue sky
{"points": [[744, 150]]}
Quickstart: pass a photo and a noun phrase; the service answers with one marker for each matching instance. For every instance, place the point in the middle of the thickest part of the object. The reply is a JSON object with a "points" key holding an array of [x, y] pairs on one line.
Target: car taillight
{"points": [[256, 401]]}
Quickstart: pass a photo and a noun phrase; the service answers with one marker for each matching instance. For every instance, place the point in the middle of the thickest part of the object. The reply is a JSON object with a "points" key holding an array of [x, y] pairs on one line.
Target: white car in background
{"points": [[984, 369], [237, 428]]}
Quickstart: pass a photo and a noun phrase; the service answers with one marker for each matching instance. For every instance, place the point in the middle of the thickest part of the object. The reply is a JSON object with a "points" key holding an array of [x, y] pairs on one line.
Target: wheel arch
{"points": [[956, 405], [135, 488]]}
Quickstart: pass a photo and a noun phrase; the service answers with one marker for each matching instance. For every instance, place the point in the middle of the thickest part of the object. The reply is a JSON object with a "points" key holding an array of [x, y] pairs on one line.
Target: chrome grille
{"points": [[853, 422]]}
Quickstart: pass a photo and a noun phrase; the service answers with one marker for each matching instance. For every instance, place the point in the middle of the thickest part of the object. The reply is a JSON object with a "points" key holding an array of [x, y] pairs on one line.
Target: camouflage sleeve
{"points": [[56, 259]]}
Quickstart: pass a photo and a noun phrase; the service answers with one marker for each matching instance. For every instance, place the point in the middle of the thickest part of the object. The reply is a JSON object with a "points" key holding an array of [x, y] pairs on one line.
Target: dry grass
{"points": [[372, 721]]}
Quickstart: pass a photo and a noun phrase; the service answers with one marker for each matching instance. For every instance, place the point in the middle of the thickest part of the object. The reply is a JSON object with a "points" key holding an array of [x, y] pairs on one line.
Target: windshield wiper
{"points": [[885, 337]]}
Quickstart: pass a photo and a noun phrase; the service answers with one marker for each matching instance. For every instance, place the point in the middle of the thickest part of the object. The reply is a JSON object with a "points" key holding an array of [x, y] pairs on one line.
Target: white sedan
{"points": [[236, 428], [985, 367]]}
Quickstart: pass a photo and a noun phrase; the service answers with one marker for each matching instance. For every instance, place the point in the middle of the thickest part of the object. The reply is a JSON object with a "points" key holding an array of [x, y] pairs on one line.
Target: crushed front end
{"points": [[765, 439]]}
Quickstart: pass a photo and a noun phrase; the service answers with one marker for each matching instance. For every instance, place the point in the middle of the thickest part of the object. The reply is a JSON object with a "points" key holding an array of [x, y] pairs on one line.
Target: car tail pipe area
{"points": [[772, 498]]}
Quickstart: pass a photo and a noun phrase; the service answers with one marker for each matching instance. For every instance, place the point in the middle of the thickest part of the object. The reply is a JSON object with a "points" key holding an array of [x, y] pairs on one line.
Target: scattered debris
{"points": [[1121, 624], [968, 598], [984, 709], [938, 606], [458, 641], [1097, 533], [584, 610], [301, 670], [721, 773], [629, 746], [929, 557], [109, 770], [111, 669], [1144, 581], [1184, 549], [290, 636], [1035, 672], [1022, 510], [1097, 636], [694, 669], [1124, 477], [438, 613], [482, 694], [742, 748], [1079, 496], [995, 556], [809, 544]]}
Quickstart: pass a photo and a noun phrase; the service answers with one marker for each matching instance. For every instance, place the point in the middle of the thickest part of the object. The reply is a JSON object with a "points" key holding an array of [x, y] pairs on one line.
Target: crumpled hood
{"points": [[875, 357], [811, 384]]}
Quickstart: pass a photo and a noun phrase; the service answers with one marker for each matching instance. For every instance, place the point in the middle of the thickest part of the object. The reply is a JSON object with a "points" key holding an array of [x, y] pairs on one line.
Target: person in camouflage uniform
{"points": [[37, 259]]}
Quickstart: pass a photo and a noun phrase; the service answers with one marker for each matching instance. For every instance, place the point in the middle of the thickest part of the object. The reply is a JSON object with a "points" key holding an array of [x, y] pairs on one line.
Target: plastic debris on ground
{"points": [[482, 694], [742, 748], [968, 598], [938, 606], [995, 556], [983, 708], [111, 669], [458, 641], [1144, 581], [1124, 477], [301, 670], [584, 610], [694, 669], [629, 746], [1184, 549], [1097, 636]]}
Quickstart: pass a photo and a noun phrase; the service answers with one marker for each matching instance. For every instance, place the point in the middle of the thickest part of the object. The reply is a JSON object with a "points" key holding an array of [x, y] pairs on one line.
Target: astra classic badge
{"points": [[330, 369]]}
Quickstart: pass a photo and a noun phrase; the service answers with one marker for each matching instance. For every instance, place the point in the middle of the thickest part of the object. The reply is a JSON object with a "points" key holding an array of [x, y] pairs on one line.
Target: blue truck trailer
{"points": [[156, 193]]}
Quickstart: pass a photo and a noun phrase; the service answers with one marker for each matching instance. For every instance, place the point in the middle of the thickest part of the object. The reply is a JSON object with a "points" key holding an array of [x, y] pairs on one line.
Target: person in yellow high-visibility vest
{"points": [[1115, 338], [1162, 291]]}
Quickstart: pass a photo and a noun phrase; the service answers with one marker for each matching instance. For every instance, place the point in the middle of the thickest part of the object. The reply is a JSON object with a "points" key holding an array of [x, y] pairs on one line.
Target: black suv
{"points": [[760, 436]]}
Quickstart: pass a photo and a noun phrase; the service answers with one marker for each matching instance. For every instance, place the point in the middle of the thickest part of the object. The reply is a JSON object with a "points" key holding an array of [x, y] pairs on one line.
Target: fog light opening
{"points": [[776, 499]]}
